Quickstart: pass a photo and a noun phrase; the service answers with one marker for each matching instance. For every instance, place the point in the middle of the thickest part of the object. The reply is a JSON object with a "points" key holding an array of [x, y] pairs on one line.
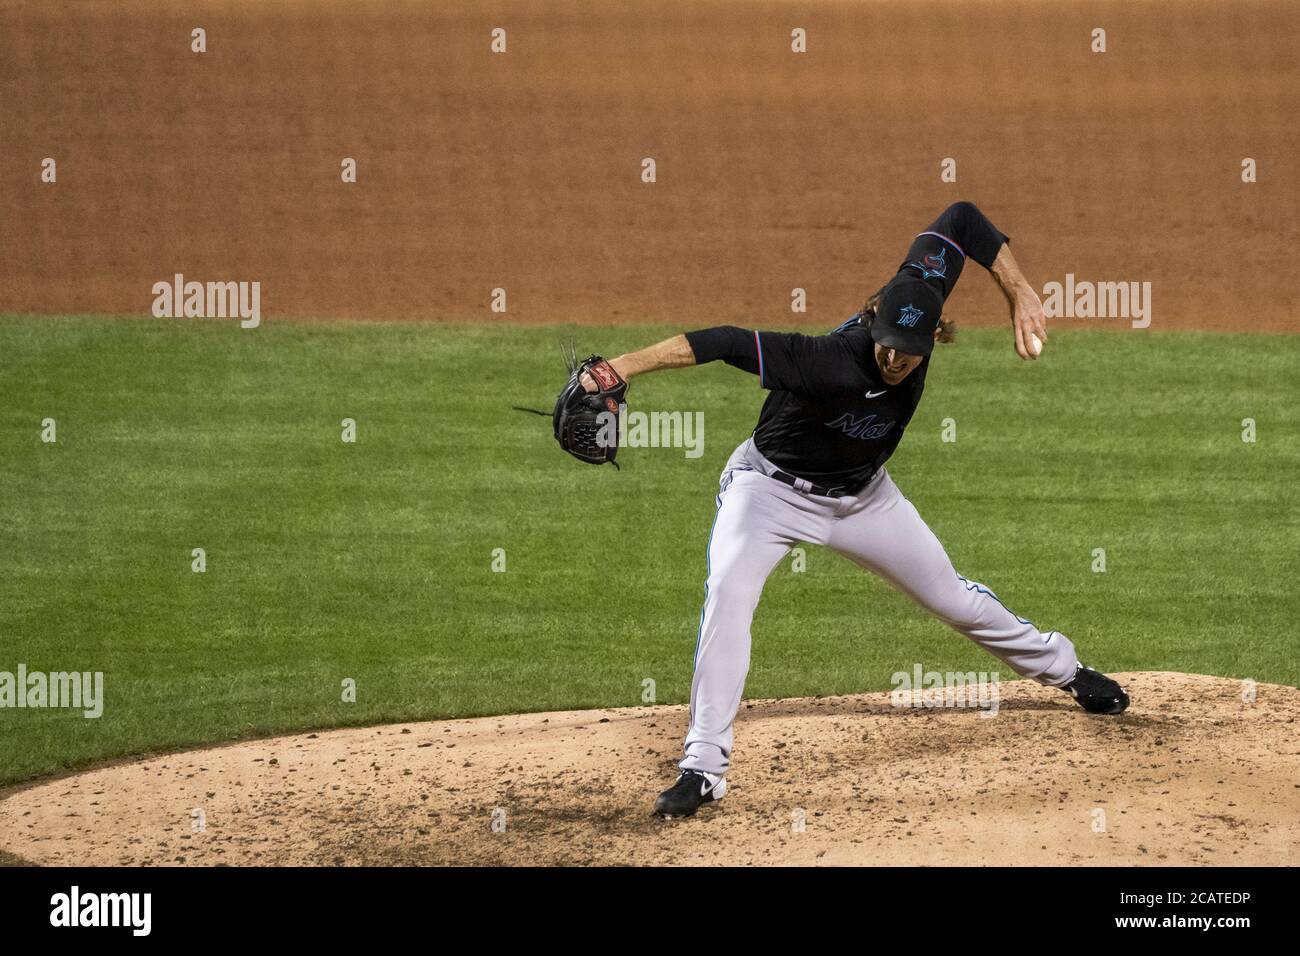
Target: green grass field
{"points": [[373, 560]]}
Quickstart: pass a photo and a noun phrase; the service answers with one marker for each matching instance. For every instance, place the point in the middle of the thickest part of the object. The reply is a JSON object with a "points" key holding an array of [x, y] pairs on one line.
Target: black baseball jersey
{"points": [[830, 417]]}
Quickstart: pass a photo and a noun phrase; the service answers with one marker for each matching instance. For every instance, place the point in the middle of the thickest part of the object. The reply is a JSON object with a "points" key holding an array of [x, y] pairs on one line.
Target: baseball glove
{"points": [[587, 423]]}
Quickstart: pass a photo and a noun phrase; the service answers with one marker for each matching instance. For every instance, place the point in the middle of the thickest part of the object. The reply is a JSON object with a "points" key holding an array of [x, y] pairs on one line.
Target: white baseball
{"points": [[1035, 343]]}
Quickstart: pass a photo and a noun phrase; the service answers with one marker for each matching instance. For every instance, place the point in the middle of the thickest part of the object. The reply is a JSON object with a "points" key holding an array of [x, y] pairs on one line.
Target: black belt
{"points": [[807, 487]]}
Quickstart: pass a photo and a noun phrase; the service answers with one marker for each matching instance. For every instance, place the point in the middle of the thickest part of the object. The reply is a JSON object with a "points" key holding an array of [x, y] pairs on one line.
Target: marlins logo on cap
{"points": [[910, 315], [902, 324]]}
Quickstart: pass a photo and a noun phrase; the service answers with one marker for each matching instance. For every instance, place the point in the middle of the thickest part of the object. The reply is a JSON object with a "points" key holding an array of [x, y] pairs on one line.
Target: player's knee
{"points": [[951, 615], [953, 607], [730, 586]]}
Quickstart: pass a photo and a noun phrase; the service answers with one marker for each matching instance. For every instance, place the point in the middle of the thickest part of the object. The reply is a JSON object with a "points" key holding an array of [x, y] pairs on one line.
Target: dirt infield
{"points": [[1192, 774], [521, 170]]}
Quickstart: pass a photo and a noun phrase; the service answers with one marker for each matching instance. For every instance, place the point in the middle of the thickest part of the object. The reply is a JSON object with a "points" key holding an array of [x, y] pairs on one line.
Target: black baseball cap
{"points": [[908, 314]]}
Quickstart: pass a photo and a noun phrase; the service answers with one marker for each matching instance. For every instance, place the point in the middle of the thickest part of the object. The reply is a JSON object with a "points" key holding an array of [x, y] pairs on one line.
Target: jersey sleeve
{"points": [[969, 231], [939, 254], [786, 361], [727, 343]]}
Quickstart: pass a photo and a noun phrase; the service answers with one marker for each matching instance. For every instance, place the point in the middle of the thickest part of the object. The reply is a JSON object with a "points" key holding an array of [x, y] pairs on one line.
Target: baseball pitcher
{"points": [[814, 471]]}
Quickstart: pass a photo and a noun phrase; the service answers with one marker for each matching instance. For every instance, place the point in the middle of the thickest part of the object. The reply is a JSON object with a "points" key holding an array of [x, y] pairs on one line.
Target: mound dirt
{"points": [[1191, 774]]}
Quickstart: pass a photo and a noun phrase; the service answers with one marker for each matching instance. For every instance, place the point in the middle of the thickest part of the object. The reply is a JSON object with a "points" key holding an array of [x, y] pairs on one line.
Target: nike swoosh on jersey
{"points": [[874, 394]]}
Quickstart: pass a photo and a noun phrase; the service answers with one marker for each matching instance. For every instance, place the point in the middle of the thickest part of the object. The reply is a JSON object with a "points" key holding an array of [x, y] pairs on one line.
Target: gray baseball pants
{"points": [[759, 519]]}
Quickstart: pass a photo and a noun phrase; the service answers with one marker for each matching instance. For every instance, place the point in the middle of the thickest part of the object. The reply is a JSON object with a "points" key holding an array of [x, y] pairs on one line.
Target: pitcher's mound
{"points": [[1191, 774]]}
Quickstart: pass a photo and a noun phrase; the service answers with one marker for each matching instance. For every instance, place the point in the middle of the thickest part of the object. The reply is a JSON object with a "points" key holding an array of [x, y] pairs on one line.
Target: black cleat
{"points": [[1097, 693], [693, 789]]}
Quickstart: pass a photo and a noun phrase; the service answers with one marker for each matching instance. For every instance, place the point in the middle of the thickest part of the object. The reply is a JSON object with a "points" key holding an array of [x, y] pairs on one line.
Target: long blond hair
{"points": [[947, 327]]}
